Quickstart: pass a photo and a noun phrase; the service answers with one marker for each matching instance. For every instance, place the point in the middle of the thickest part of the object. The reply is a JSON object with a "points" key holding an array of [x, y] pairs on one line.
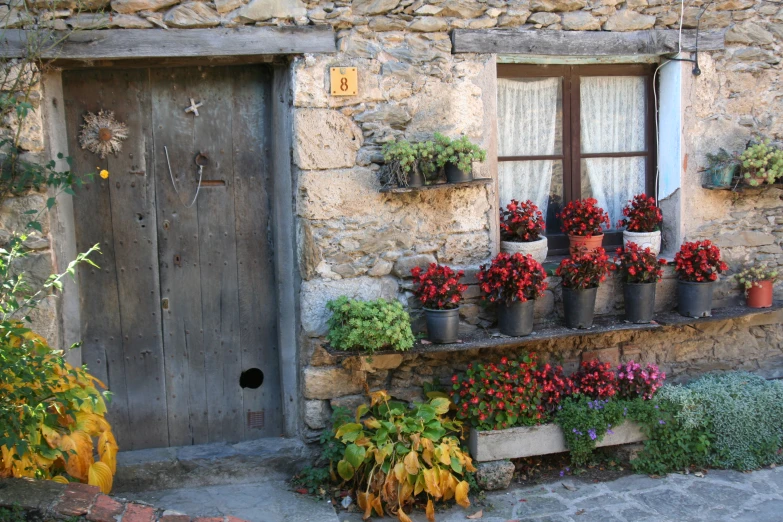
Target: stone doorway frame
{"points": [[287, 278]]}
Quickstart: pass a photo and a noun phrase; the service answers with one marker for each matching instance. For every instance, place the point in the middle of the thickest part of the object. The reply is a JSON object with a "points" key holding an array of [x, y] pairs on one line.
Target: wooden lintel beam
{"points": [[583, 43], [118, 44]]}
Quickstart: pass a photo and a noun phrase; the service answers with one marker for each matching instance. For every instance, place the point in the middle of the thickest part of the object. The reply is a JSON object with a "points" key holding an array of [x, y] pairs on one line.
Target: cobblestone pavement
{"points": [[719, 496]]}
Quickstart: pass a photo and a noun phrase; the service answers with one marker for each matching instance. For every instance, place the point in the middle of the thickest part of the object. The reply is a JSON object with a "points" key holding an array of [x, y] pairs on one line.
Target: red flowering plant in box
{"points": [[438, 288], [699, 262], [585, 270], [555, 386], [595, 379], [584, 218], [638, 266], [635, 381], [641, 215], [498, 395], [521, 222], [512, 278]]}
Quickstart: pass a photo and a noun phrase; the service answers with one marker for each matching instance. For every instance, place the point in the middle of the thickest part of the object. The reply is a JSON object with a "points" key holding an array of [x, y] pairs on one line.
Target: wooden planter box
{"points": [[514, 443]]}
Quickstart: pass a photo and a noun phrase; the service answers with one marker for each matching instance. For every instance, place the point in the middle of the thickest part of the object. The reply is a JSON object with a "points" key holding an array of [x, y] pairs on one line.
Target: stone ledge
{"points": [[529, 441], [602, 325], [50, 499], [405, 190]]}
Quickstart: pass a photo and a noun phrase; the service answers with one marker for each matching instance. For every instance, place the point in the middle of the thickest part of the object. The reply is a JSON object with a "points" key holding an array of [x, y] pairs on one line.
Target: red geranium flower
{"points": [[512, 278], [699, 262], [521, 222], [438, 288], [641, 215], [584, 218]]}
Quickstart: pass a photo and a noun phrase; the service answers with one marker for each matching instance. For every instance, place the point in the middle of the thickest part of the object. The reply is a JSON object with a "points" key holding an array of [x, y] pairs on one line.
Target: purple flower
{"points": [[592, 434], [661, 421], [562, 473], [610, 432]]}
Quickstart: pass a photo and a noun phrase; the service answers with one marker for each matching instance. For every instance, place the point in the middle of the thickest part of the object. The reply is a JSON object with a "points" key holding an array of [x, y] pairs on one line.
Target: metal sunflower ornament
{"points": [[101, 134]]}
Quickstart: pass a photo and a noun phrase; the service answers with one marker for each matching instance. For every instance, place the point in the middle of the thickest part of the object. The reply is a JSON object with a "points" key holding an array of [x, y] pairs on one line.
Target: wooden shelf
{"points": [[739, 187], [491, 338], [405, 190]]}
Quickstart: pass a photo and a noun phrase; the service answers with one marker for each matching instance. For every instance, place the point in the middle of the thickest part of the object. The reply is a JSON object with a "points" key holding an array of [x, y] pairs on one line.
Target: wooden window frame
{"points": [[572, 155]]}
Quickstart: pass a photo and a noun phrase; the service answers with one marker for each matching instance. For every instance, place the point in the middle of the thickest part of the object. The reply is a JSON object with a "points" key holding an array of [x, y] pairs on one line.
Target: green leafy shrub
{"points": [[395, 453], [585, 422], [744, 412], [368, 325], [316, 479], [461, 152]]}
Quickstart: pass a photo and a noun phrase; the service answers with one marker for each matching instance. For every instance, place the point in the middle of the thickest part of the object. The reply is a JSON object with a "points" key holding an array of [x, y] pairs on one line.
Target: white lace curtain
{"points": [[612, 120], [527, 120]]}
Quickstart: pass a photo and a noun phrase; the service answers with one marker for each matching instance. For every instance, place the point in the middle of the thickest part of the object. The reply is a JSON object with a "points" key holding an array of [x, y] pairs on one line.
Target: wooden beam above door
{"points": [[123, 44], [583, 43]]}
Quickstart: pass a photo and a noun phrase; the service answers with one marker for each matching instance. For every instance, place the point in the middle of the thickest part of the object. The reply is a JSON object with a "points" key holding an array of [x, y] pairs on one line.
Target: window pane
{"points": [[613, 181], [539, 181], [612, 113], [530, 114]]}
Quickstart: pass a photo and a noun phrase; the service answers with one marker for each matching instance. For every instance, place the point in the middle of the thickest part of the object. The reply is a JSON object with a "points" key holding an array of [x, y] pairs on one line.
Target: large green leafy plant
{"points": [[368, 325], [395, 454]]}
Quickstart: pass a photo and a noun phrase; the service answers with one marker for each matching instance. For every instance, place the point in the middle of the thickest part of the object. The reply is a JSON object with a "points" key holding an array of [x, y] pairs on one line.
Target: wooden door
{"points": [[180, 319]]}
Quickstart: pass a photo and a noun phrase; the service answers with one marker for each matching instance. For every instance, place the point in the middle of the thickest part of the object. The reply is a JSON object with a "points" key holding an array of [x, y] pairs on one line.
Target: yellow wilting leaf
{"points": [[377, 506], [430, 511], [431, 482], [415, 441], [402, 517], [419, 485], [100, 475], [107, 450], [77, 452], [361, 500], [60, 479], [445, 454], [406, 491], [399, 471], [461, 494], [411, 461], [372, 423], [88, 423], [448, 493], [468, 464], [376, 397], [368, 506], [51, 436], [441, 405]]}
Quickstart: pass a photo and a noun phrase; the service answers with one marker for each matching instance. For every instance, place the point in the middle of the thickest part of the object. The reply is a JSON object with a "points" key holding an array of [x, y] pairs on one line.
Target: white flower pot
{"points": [[537, 249], [644, 240]]}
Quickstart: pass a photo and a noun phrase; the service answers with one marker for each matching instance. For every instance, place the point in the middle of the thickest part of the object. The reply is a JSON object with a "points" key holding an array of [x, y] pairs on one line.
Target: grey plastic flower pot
{"points": [[516, 319], [455, 175], [442, 325], [579, 307], [639, 302], [694, 299]]}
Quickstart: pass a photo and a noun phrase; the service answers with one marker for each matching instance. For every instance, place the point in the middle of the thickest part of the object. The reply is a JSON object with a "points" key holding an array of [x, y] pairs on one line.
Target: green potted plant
{"points": [[640, 272], [521, 230], [697, 265], [722, 168], [402, 161], [457, 157], [440, 293], [514, 282], [757, 282], [761, 163], [368, 325], [583, 222], [581, 275], [642, 223]]}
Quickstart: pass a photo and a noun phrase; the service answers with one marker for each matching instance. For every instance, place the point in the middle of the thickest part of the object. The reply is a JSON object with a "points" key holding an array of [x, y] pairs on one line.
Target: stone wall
{"points": [[356, 241]]}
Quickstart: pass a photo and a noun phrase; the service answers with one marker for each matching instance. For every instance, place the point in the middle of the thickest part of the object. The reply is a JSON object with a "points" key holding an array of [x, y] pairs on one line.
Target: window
{"points": [[567, 132]]}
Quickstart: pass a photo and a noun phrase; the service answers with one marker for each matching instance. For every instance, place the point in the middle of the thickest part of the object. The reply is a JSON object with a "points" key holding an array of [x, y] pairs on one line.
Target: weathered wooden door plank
{"points": [[217, 244], [136, 249], [178, 245], [114, 44], [101, 331], [257, 302]]}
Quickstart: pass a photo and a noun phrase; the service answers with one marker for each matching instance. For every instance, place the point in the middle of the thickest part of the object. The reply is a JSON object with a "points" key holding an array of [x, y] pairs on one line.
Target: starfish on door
{"points": [[194, 106]]}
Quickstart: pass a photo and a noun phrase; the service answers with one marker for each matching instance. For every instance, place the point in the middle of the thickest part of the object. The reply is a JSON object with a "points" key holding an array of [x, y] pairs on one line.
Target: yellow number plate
{"points": [[344, 81]]}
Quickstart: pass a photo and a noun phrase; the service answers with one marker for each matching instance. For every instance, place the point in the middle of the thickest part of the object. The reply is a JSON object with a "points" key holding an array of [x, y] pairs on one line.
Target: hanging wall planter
{"points": [[516, 319], [455, 175], [456, 157]]}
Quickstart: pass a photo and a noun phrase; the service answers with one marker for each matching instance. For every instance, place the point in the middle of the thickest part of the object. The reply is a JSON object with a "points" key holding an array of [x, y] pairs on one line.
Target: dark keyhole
{"points": [[252, 378]]}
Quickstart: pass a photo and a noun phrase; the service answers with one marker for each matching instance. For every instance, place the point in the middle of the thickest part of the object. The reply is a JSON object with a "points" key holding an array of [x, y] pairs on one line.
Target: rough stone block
{"points": [[627, 20], [316, 293], [133, 6], [325, 139], [404, 265], [317, 414], [192, 15], [610, 355], [580, 21], [350, 402], [77, 500], [373, 7], [37, 495], [495, 475], [329, 382], [259, 10]]}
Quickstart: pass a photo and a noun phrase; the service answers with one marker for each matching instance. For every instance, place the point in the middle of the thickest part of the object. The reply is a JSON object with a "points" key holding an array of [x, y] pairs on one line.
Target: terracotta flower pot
{"points": [[760, 297], [577, 243]]}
